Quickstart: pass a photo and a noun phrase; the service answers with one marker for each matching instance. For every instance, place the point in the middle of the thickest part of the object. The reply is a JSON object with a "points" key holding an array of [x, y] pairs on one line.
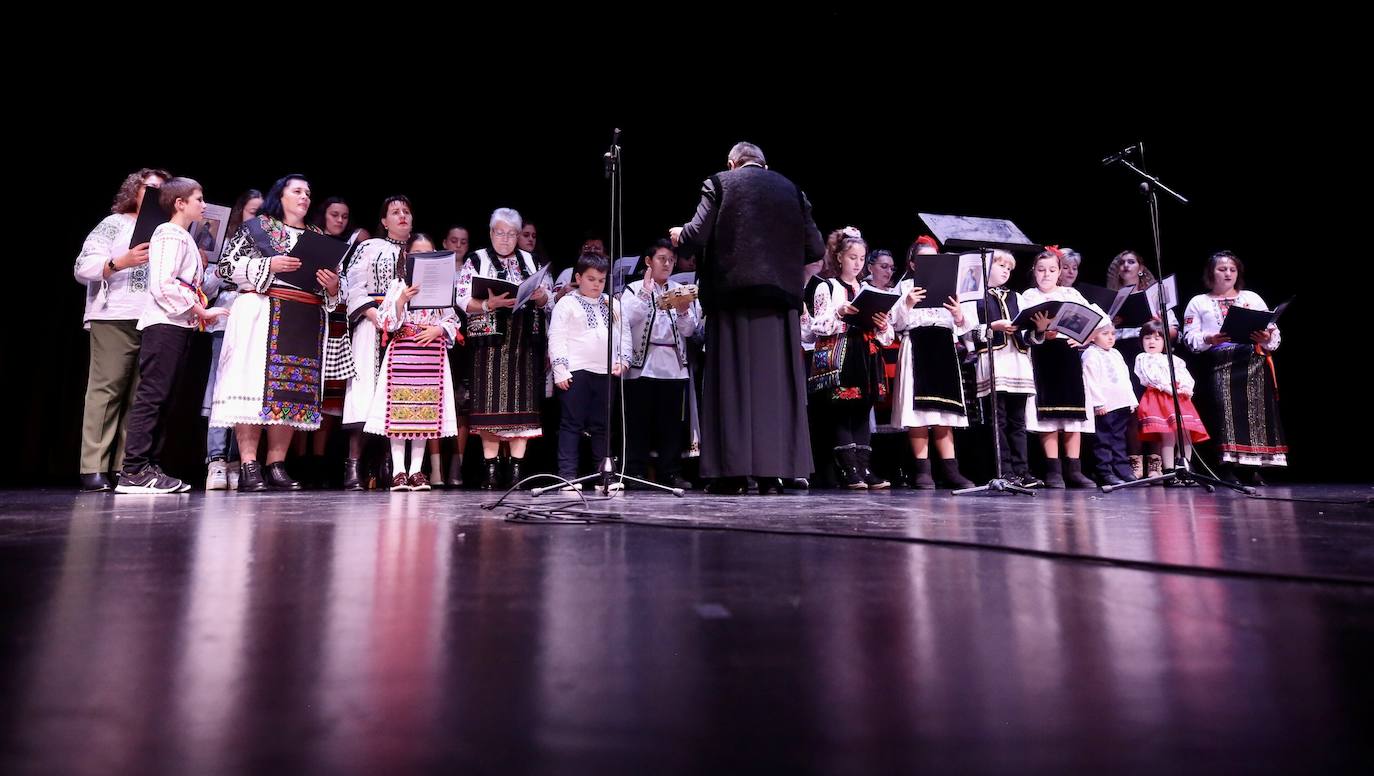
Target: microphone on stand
{"points": [[609, 156], [1119, 155]]}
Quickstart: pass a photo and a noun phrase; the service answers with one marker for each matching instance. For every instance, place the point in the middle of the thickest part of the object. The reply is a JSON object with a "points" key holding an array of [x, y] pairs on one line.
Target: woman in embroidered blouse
{"points": [[1244, 391], [273, 355], [334, 218], [508, 348], [221, 449], [370, 273], [116, 278]]}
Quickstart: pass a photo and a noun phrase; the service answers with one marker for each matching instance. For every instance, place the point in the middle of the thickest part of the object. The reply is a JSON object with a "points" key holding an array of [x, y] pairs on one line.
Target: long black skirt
{"points": [[507, 382], [753, 419], [1246, 399]]}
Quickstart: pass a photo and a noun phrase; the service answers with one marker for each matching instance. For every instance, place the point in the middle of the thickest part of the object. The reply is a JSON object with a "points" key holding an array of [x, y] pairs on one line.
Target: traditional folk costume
{"points": [[508, 350], [1245, 390], [1009, 356], [847, 372], [661, 410], [273, 360]]}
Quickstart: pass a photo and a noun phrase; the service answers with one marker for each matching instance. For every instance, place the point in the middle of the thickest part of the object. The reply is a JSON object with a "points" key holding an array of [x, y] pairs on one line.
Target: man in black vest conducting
{"points": [[754, 231]]}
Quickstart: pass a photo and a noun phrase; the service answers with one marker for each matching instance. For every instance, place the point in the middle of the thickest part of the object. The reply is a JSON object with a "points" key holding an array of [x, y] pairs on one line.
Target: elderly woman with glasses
{"points": [[508, 348]]}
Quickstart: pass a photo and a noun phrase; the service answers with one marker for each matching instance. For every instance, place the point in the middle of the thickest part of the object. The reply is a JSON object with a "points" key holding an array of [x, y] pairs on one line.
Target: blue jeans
{"points": [[219, 442]]}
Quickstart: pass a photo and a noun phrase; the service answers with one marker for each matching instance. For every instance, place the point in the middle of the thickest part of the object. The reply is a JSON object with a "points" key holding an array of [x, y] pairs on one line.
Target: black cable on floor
{"points": [[555, 516]]}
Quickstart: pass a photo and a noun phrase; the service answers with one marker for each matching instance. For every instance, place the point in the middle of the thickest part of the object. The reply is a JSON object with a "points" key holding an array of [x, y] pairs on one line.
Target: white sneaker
{"points": [[217, 478], [233, 471]]}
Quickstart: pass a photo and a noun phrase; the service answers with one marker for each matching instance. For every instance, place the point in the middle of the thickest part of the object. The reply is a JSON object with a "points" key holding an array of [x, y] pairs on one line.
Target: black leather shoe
{"points": [[769, 484], [278, 479], [95, 483], [727, 486], [516, 471], [493, 471], [250, 478]]}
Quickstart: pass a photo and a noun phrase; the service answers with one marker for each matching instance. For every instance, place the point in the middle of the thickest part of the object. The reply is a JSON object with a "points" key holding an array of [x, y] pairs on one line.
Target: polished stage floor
{"points": [[1145, 631]]}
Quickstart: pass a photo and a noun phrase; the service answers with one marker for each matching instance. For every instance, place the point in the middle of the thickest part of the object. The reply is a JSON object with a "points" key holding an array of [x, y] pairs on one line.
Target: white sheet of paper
{"points": [[531, 284], [434, 276], [1170, 286], [623, 268], [1120, 299]]}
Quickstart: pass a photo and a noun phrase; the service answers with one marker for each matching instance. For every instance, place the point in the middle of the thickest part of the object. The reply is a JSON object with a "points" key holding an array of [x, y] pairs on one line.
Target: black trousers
{"points": [[851, 423], [583, 408], [657, 415], [1011, 433], [1109, 443], [160, 359]]}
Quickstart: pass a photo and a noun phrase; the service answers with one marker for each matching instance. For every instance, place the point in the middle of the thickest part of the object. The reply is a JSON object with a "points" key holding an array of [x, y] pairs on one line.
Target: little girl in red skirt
{"points": [[1158, 421]]}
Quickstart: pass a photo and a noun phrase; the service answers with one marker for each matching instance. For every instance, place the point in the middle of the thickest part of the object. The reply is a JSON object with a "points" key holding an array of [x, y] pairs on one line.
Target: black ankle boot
{"points": [[953, 478], [863, 457], [351, 479], [250, 477], [493, 472], [455, 471], [847, 461], [920, 475], [516, 471], [1054, 474], [1074, 476], [278, 479]]}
